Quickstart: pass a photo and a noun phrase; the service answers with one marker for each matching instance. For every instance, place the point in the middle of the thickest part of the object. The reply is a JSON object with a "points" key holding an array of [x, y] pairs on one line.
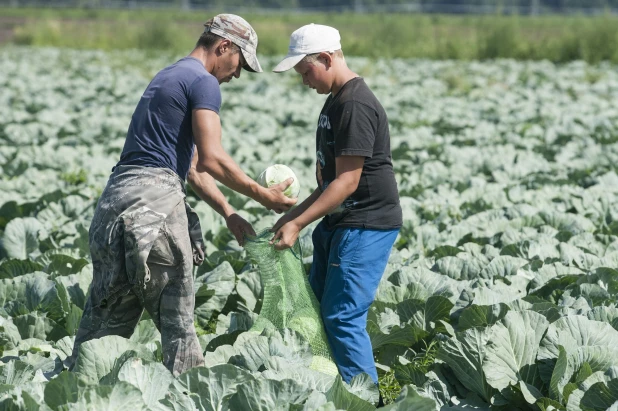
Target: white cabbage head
{"points": [[276, 174]]}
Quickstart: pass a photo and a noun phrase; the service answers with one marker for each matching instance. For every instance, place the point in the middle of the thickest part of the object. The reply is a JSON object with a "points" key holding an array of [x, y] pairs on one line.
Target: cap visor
{"points": [[253, 65], [288, 62]]}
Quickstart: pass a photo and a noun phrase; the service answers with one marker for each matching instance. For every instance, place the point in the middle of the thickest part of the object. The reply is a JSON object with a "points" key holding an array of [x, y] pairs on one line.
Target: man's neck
{"points": [[344, 74], [203, 55]]}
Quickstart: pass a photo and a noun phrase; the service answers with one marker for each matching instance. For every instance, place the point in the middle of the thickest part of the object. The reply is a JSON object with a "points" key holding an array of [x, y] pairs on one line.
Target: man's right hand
{"points": [[274, 199], [239, 227]]}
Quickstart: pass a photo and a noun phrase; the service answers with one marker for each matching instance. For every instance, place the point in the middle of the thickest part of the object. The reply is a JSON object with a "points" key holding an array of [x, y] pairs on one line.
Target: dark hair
{"points": [[208, 40]]}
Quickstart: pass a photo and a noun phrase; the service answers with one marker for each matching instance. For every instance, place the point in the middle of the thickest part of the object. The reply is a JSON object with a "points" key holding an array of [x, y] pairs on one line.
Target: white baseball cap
{"points": [[309, 39]]}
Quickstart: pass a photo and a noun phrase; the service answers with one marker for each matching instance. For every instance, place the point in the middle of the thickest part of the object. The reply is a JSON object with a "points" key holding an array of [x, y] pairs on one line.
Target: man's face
{"points": [[229, 64], [314, 76]]}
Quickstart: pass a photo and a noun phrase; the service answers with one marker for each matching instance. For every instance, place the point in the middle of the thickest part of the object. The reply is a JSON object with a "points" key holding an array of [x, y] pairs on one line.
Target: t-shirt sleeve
{"points": [[354, 126], [205, 93]]}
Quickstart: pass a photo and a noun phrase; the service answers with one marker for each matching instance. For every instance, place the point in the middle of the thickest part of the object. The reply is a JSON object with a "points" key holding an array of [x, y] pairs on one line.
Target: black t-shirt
{"points": [[354, 123]]}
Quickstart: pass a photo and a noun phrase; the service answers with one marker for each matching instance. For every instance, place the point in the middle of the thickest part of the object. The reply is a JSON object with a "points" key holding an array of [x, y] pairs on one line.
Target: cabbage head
{"points": [[276, 174]]}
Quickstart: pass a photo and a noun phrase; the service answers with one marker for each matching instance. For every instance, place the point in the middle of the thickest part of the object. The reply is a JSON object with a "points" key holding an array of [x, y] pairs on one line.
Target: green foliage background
{"points": [[555, 38]]}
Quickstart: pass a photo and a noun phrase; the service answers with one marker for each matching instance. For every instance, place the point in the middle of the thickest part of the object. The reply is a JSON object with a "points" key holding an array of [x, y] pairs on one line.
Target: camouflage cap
{"points": [[238, 31]]}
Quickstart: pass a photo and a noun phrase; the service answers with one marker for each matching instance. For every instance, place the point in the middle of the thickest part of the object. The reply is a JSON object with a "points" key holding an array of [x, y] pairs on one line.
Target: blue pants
{"points": [[348, 264]]}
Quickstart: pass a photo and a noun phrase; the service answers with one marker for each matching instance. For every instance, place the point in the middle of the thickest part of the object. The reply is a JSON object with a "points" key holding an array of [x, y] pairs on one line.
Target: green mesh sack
{"points": [[289, 301]]}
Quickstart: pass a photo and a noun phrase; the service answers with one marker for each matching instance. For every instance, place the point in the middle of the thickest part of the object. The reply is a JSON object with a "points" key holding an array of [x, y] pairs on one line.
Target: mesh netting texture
{"points": [[289, 301]]}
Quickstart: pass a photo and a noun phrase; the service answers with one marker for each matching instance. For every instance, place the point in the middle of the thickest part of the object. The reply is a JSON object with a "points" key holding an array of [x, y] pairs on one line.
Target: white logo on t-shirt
{"points": [[324, 122]]}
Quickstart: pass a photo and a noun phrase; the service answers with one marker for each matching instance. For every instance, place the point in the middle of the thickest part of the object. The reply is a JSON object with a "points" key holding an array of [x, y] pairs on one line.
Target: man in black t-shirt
{"points": [[356, 195]]}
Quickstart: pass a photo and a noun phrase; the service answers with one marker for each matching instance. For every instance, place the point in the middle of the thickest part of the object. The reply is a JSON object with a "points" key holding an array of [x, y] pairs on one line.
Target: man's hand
{"points": [[239, 227], [274, 199], [286, 236]]}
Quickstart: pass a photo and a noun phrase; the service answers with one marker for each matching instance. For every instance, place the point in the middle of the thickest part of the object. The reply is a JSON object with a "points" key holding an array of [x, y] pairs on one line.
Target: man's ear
{"points": [[326, 58], [224, 46]]}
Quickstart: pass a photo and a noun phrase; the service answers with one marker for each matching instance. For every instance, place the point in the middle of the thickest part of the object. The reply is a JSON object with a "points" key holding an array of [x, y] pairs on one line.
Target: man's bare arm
{"points": [[213, 159], [295, 212], [349, 170], [206, 188]]}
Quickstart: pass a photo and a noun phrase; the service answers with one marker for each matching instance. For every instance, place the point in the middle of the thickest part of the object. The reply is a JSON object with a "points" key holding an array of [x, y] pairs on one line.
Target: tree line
{"points": [[444, 6]]}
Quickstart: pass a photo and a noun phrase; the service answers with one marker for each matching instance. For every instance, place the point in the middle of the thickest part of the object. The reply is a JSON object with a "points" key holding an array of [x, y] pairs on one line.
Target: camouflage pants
{"points": [[168, 297]]}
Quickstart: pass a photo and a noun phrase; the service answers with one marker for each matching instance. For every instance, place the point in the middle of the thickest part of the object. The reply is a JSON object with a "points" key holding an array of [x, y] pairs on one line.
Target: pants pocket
{"points": [[345, 239], [164, 251]]}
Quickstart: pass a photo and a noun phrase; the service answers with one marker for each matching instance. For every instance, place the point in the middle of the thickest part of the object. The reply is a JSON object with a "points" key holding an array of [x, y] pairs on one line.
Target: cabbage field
{"points": [[500, 294]]}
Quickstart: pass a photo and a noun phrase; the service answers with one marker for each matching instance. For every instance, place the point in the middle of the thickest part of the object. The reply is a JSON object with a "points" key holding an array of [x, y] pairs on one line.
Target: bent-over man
{"points": [[144, 237]]}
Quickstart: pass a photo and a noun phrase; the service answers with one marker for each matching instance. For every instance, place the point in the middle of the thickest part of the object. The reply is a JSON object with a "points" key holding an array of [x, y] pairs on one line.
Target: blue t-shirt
{"points": [[160, 133]]}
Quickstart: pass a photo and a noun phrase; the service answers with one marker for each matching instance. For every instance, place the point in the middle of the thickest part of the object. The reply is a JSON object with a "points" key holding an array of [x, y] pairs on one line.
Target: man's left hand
{"points": [[286, 236], [239, 227]]}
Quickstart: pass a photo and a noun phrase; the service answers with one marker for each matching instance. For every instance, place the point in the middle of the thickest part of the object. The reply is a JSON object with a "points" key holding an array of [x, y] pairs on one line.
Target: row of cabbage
{"points": [[500, 294]]}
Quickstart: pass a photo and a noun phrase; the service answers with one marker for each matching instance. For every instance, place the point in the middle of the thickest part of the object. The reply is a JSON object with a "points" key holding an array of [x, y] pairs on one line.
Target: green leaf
{"points": [[34, 292], [21, 238], [98, 358], [37, 325], [16, 372], [146, 332], [213, 290], [72, 320], [343, 399], [425, 315], [465, 354], [600, 396], [63, 390], [605, 314], [554, 288], [62, 264], [14, 268], [391, 294], [512, 350], [503, 266], [151, 378], [548, 310], [317, 401], [572, 332], [9, 211], [76, 286], [569, 363], [584, 372], [207, 387], [120, 396], [482, 315], [364, 387], [518, 396], [575, 397], [409, 373], [409, 399], [405, 335], [9, 335], [256, 350], [547, 404], [280, 369], [458, 269], [266, 395], [249, 287], [444, 251], [429, 283], [18, 399]]}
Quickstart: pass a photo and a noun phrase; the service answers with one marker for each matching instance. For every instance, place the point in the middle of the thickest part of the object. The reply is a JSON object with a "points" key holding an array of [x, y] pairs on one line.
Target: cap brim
{"points": [[253, 65], [288, 62]]}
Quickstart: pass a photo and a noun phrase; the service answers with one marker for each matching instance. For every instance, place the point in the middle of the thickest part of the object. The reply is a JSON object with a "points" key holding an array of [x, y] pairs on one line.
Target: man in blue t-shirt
{"points": [[144, 238]]}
